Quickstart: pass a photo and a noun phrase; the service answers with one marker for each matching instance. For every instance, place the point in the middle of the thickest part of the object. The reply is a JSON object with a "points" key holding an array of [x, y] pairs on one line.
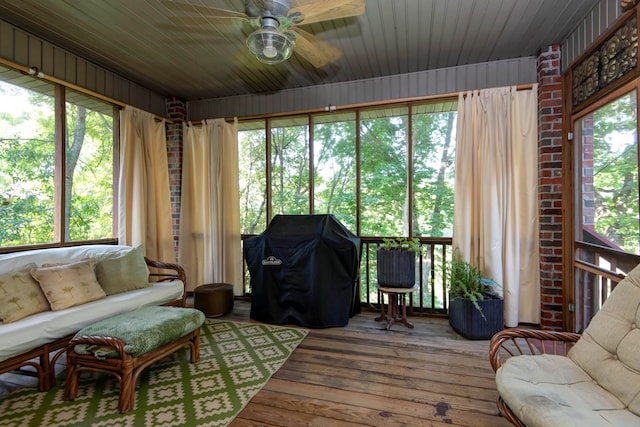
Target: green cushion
{"points": [[124, 272], [142, 330]]}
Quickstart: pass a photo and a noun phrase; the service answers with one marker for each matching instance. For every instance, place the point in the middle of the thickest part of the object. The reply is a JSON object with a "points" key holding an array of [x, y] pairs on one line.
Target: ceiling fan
{"points": [[276, 25]]}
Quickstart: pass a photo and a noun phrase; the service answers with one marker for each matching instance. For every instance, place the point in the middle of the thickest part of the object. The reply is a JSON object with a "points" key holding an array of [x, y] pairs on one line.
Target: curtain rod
{"points": [[29, 71], [444, 96]]}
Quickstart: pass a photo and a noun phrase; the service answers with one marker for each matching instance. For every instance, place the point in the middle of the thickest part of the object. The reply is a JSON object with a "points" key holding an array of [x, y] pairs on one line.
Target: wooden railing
{"points": [[431, 296], [598, 269]]}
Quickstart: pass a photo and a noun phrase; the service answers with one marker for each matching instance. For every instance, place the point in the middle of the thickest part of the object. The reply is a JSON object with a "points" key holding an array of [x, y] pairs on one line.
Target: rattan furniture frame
{"points": [[40, 361], [514, 342], [125, 367]]}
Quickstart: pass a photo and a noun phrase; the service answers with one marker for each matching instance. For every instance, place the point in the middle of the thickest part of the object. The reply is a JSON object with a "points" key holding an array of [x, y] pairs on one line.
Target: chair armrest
{"points": [[160, 276], [514, 342], [114, 343]]}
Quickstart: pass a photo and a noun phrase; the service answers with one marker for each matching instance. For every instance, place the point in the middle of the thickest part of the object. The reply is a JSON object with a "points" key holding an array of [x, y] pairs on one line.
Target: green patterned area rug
{"points": [[236, 361]]}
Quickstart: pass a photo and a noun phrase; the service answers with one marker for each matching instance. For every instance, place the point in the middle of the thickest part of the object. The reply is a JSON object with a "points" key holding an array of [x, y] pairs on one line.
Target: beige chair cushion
{"points": [[69, 284], [609, 350], [20, 295], [547, 390], [123, 272]]}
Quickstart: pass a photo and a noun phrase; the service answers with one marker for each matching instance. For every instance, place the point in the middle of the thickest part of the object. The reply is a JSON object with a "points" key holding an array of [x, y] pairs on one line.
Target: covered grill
{"points": [[304, 270]]}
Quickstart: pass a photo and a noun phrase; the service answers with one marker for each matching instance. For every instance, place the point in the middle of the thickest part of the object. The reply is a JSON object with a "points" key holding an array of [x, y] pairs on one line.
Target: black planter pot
{"points": [[466, 320], [396, 268]]}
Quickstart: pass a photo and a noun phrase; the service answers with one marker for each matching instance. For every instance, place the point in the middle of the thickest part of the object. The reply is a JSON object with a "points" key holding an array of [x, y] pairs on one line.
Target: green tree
{"points": [[335, 168], [383, 167], [290, 169], [27, 161], [252, 167], [615, 173]]}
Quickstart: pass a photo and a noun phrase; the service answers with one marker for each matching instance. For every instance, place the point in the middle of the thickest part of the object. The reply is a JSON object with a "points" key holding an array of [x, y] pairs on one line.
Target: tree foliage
{"points": [[28, 170], [615, 173], [384, 171]]}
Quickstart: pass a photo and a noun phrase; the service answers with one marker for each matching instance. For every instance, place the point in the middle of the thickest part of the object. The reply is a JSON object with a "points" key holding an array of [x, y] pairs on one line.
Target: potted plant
{"points": [[396, 262], [476, 310]]}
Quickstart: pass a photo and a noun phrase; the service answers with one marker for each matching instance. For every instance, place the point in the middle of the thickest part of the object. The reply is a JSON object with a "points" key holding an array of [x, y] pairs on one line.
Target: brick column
{"points": [[176, 111], [550, 185]]}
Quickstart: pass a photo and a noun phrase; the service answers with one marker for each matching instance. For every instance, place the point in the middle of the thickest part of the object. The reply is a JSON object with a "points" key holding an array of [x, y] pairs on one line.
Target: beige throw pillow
{"points": [[125, 272], [20, 295], [69, 284]]}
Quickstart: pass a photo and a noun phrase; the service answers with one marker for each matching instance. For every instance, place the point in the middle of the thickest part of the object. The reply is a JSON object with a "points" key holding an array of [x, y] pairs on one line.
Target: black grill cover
{"points": [[304, 270]]}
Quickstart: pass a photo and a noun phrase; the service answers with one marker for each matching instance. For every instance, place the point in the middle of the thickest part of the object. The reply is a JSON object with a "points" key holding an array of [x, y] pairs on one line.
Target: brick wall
{"points": [[176, 111], [550, 185]]}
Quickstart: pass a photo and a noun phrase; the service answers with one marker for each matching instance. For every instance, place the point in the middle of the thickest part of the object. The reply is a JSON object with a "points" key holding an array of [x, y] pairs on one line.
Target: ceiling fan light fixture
{"points": [[269, 45]]}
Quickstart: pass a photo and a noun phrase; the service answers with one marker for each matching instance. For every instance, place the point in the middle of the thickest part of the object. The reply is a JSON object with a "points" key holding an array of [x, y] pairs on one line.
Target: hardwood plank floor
{"points": [[364, 375]]}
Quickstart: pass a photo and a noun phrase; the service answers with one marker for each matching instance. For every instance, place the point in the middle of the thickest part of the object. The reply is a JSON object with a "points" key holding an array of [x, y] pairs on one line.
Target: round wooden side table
{"points": [[213, 299], [397, 300]]}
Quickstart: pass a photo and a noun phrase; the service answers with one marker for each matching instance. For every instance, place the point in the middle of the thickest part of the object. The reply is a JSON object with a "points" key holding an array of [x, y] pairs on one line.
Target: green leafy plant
{"points": [[466, 281], [399, 243]]}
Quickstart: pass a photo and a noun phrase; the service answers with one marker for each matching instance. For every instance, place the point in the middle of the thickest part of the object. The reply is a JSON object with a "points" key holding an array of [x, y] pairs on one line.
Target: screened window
{"points": [[334, 160], [383, 136], [290, 166], [433, 139], [608, 179], [89, 169], [253, 176], [39, 204], [27, 165], [354, 164]]}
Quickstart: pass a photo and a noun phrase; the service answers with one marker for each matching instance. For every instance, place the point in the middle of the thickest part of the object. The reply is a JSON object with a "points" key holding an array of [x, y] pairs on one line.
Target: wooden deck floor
{"points": [[364, 375]]}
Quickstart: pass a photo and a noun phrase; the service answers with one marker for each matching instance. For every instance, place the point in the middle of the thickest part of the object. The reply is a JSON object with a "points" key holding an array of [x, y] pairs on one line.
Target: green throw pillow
{"points": [[124, 272]]}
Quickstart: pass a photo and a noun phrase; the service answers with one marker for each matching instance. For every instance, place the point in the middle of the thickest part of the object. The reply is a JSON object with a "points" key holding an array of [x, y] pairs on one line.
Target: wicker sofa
{"points": [[124, 283], [547, 378]]}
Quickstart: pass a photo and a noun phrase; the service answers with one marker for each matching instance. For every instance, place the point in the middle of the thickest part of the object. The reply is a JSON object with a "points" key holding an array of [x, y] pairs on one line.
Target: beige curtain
{"points": [[210, 250], [496, 194], [144, 205]]}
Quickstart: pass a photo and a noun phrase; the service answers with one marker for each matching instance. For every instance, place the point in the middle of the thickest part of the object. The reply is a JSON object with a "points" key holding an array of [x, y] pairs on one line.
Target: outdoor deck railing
{"points": [[598, 270], [431, 296]]}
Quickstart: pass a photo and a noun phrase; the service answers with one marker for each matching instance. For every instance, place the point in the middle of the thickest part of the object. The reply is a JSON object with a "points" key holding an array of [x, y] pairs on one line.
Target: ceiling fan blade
{"points": [[203, 10], [208, 20], [325, 10], [315, 50]]}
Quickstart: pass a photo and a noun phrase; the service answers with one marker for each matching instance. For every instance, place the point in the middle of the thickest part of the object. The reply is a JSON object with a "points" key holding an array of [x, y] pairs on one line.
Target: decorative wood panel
{"points": [[611, 59]]}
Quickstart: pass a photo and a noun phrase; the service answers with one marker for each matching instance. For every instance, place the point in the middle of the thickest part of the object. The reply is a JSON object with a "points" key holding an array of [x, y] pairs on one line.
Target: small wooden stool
{"points": [[396, 295], [126, 344]]}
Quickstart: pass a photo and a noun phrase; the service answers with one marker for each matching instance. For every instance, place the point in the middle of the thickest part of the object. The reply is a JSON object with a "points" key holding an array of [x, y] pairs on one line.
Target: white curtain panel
{"points": [[144, 201], [496, 198], [210, 249]]}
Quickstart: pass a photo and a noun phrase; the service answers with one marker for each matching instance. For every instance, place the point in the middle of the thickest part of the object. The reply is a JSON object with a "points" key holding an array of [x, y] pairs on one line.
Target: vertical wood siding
{"points": [[424, 83], [596, 23], [25, 49]]}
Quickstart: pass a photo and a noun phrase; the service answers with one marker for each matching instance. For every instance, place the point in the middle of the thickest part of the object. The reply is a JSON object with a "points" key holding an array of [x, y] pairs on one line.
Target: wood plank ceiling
{"points": [[161, 49]]}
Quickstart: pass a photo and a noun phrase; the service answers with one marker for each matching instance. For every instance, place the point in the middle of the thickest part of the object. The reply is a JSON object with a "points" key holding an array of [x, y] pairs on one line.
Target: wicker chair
{"points": [[561, 378], [514, 342]]}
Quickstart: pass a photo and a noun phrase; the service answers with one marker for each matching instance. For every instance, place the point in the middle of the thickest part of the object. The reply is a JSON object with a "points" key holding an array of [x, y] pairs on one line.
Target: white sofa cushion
{"points": [[33, 331], [15, 260]]}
